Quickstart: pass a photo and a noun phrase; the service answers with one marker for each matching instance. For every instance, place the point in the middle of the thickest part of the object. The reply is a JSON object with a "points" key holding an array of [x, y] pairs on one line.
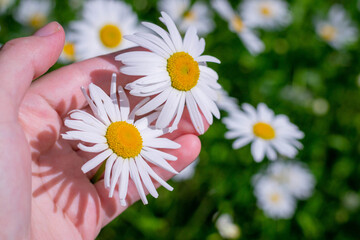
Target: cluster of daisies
{"points": [[87, 37]]}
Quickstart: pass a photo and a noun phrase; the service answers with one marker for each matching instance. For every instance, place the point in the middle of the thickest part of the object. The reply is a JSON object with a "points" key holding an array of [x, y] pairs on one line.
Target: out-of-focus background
{"points": [[298, 74]]}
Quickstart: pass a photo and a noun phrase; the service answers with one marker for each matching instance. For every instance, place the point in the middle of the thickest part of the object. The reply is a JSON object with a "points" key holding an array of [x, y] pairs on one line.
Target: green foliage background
{"points": [[296, 69]]}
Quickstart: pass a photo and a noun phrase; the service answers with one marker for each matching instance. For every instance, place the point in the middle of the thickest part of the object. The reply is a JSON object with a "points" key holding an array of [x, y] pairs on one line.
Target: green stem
{"points": [[99, 173]]}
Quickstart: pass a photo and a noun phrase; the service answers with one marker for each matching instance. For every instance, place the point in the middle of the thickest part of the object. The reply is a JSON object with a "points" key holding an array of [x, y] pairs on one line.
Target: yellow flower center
{"points": [[124, 139], [110, 35], [37, 20], [265, 10], [264, 131], [328, 32], [69, 50], [183, 70], [237, 23], [189, 15], [275, 198]]}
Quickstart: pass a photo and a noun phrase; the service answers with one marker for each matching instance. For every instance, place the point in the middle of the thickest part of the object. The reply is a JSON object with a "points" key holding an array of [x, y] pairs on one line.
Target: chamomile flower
{"points": [[125, 145], [227, 228], [5, 4], [33, 13], [68, 53], [184, 15], [102, 28], [225, 102], [337, 30], [274, 200], [268, 133], [176, 71], [239, 26], [266, 14], [293, 176]]}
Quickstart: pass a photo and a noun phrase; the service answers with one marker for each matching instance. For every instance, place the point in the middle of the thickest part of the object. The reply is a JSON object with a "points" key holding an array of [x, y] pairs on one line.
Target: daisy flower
{"points": [[184, 15], [239, 26], [225, 102], [68, 53], [102, 28], [268, 133], [227, 228], [176, 71], [293, 176], [274, 200], [33, 13], [337, 30], [124, 145], [5, 4], [266, 14]]}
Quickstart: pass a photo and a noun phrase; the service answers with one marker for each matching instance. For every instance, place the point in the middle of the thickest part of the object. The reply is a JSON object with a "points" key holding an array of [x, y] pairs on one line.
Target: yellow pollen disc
{"points": [[328, 32], [124, 139], [237, 23], [189, 15], [183, 70], [110, 35], [266, 11], [264, 131], [69, 50], [37, 20], [275, 198]]}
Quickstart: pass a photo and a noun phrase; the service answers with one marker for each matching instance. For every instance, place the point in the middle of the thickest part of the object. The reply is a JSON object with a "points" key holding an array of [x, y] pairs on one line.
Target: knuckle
{"points": [[14, 44]]}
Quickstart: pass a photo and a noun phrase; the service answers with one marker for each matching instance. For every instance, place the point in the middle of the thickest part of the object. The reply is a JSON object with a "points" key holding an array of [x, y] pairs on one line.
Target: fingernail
{"points": [[48, 29]]}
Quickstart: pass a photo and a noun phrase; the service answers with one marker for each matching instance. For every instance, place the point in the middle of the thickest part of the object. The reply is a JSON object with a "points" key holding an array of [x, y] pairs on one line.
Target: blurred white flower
{"points": [[337, 30], [33, 13], [68, 53], [320, 106], [5, 4], [102, 28], [273, 199], [268, 133], [187, 172], [227, 228], [225, 102], [239, 26], [184, 15], [293, 176], [351, 201], [266, 14]]}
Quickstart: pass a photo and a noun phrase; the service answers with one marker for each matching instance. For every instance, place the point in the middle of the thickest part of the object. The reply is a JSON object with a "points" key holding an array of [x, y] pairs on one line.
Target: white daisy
{"points": [[176, 71], [293, 176], [337, 30], [239, 26], [187, 173], [274, 200], [266, 14], [5, 4], [33, 13], [102, 28], [68, 53], [225, 102], [184, 15], [268, 133], [125, 144], [227, 228]]}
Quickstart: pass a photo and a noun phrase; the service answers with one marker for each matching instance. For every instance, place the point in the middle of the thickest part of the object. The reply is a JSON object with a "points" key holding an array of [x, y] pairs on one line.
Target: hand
{"points": [[44, 194]]}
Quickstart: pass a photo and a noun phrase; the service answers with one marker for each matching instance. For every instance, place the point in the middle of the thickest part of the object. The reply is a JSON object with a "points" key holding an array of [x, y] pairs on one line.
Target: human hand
{"points": [[44, 194]]}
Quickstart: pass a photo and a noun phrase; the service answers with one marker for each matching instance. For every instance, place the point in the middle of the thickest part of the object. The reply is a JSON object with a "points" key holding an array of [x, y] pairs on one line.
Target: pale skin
{"points": [[44, 194]]}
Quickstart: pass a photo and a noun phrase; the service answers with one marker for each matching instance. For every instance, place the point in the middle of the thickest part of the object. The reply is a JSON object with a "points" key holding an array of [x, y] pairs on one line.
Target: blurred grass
{"points": [[295, 69]]}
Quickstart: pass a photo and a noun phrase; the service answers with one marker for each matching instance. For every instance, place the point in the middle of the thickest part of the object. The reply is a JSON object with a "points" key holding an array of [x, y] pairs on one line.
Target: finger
{"points": [[190, 148], [24, 59], [68, 80]]}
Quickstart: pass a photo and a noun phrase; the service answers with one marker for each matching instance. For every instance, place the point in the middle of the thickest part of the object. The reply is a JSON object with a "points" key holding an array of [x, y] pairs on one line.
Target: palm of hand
{"points": [[64, 203]]}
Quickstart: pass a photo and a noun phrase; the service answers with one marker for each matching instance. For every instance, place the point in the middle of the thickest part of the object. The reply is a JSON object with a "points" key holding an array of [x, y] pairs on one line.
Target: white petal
{"points": [[123, 184], [146, 178], [155, 176], [206, 58], [190, 39], [109, 164], [113, 96], [169, 109], [134, 174], [164, 155], [124, 104], [174, 33], [180, 110], [96, 148], [162, 33], [87, 118], [92, 163], [161, 143], [157, 160], [82, 126], [154, 103], [241, 142], [195, 116], [84, 136], [135, 109], [258, 150], [147, 44]]}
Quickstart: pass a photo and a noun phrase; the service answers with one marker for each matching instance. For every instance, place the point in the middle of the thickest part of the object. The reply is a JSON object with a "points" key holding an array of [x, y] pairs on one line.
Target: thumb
{"points": [[24, 59]]}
